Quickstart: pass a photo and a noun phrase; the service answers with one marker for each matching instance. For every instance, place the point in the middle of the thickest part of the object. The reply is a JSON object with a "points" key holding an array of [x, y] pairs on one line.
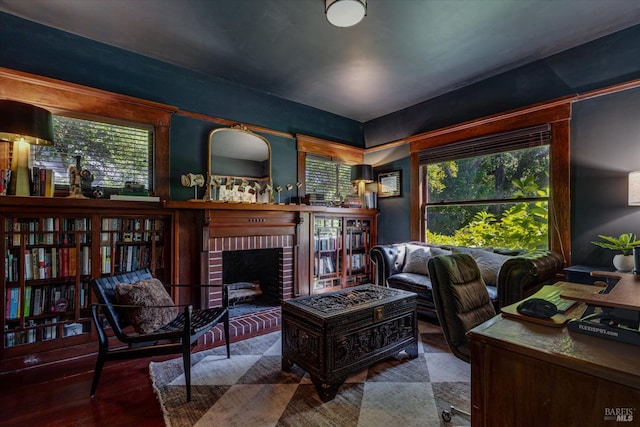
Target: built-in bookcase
{"points": [[340, 253], [327, 253], [52, 249], [358, 244], [129, 243]]}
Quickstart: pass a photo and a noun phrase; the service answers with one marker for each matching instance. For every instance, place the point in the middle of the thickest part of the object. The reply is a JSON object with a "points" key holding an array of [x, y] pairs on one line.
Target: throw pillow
{"points": [[416, 258], [488, 262], [148, 295]]}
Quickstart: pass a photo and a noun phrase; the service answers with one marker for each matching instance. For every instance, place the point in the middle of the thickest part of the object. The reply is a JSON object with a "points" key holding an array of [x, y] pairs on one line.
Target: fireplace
{"points": [[249, 246], [254, 279]]}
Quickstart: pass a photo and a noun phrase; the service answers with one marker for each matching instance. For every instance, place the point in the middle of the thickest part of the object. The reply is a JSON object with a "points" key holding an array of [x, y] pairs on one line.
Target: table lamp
{"points": [[361, 175], [23, 124]]}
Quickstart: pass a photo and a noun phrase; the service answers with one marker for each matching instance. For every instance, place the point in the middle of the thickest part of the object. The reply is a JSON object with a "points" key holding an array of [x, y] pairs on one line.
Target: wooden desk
{"points": [[527, 374]]}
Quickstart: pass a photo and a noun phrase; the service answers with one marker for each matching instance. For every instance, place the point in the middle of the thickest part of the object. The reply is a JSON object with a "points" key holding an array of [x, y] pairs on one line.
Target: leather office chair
{"points": [[462, 302], [176, 337]]}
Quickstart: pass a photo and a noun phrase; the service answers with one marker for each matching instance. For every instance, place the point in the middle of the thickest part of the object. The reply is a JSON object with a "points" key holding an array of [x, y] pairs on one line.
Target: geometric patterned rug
{"points": [[251, 390]]}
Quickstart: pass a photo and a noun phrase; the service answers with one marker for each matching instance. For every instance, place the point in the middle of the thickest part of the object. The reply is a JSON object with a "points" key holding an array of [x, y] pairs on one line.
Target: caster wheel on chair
{"points": [[446, 416]]}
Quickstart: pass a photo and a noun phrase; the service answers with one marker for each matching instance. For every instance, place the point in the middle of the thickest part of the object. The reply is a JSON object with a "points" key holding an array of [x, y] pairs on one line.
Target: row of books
{"points": [[128, 258], [131, 230], [324, 265], [358, 261], [39, 300], [42, 182], [325, 243], [357, 240], [48, 263], [47, 231], [48, 330]]}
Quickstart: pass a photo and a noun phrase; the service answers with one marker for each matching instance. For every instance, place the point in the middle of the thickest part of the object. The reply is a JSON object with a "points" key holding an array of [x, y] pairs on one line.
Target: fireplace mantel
{"points": [[229, 206], [204, 230]]}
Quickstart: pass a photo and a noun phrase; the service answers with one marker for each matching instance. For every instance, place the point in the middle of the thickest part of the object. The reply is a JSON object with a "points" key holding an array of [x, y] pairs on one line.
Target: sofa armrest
{"points": [[522, 276], [384, 259]]}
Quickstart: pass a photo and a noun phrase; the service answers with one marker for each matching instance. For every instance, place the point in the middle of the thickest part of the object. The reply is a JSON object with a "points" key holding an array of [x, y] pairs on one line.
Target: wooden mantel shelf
{"points": [[189, 204], [68, 203]]}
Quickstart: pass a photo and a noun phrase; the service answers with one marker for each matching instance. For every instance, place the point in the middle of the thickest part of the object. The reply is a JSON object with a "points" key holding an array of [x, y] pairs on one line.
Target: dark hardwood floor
{"points": [[58, 395]]}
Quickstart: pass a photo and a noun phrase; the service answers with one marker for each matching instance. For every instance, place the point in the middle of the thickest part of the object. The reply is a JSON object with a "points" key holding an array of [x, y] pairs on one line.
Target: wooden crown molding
{"points": [[346, 153]]}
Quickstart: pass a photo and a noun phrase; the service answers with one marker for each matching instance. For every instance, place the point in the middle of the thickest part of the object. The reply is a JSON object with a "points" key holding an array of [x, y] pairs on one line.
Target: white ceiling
{"points": [[403, 53]]}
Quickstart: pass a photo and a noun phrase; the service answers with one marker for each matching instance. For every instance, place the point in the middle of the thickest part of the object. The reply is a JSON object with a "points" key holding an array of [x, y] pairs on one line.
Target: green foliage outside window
{"points": [[463, 219], [113, 153]]}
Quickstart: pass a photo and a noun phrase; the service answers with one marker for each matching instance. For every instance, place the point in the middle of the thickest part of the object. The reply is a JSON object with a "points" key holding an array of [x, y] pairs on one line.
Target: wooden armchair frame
{"points": [[177, 337]]}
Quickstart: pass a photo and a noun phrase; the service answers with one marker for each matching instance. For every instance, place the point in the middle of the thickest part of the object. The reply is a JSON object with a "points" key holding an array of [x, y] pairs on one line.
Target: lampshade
{"points": [[362, 173], [634, 188], [345, 13], [24, 121], [24, 125]]}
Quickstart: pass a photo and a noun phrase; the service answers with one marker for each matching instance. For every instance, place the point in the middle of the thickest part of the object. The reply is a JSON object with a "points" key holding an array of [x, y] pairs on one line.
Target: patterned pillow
{"points": [[146, 293]]}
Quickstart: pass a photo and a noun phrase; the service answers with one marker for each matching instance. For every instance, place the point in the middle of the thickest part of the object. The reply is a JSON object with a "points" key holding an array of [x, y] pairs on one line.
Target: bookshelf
{"points": [[358, 244], [327, 253], [340, 255], [52, 248]]}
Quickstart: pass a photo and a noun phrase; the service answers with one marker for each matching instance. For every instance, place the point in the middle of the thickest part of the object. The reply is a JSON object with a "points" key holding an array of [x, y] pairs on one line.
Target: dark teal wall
{"points": [[597, 206], [393, 221], [605, 148], [603, 62], [33, 48]]}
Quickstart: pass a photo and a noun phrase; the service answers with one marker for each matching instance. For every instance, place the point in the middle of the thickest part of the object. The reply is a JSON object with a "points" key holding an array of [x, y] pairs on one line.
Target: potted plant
{"points": [[624, 243]]}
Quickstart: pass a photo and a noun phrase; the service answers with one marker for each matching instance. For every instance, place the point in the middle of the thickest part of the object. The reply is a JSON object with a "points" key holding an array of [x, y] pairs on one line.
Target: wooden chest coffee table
{"points": [[336, 334]]}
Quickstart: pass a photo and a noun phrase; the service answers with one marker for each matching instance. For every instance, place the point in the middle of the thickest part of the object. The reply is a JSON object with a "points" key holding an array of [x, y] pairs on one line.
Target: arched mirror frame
{"points": [[238, 187]]}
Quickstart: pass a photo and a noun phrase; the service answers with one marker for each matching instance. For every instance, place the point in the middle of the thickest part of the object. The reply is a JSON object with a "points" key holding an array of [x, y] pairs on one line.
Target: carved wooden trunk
{"points": [[336, 334]]}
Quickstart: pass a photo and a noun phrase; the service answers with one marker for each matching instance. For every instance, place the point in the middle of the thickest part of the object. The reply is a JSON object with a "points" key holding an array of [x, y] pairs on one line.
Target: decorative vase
{"points": [[623, 262]]}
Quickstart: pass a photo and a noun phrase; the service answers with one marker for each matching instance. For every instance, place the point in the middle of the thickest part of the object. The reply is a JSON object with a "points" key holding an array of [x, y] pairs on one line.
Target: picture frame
{"points": [[390, 184]]}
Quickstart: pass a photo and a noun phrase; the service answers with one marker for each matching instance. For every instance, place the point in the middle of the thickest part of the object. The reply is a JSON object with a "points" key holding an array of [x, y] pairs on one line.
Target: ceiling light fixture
{"points": [[345, 13]]}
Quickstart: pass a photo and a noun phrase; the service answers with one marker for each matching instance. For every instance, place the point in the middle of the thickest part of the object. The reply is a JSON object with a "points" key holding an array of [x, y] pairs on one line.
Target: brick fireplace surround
{"points": [[248, 230]]}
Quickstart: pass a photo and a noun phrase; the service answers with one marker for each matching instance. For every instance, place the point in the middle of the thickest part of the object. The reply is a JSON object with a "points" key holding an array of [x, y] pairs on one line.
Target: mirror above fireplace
{"points": [[239, 166]]}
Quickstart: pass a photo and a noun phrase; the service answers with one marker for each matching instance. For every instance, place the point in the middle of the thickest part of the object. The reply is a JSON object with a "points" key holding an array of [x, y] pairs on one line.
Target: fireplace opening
{"points": [[255, 276]]}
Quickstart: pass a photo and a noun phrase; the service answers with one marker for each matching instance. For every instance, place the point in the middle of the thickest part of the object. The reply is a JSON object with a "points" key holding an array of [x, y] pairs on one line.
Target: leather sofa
{"points": [[514, 275]]}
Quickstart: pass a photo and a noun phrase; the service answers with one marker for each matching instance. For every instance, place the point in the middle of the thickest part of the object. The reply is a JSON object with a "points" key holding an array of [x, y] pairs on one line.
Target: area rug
{"points": [[251, 390]]}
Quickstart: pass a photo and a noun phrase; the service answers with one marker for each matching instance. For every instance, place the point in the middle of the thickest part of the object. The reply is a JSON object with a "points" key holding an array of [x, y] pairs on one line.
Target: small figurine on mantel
{"points": [[193, 180], [75, 181]]}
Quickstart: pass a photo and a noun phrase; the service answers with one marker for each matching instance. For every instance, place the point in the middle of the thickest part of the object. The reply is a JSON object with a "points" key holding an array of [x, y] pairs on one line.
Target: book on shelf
{"points": [[13, 303], [134, 198]]}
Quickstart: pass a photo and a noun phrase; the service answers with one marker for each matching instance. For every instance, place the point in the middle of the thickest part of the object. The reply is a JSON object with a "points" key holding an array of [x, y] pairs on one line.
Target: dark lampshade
{"points": [[362, 173], [19, 120]]}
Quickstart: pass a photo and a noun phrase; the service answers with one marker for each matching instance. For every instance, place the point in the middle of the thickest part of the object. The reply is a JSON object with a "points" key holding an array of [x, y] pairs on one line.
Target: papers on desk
{"points": [[549, 292]]}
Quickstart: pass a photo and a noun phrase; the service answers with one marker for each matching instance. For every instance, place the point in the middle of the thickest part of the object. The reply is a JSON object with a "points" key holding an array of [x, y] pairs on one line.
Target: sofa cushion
{"points": [[415, 259], [417, 256], [145, 294], [489, 262]]}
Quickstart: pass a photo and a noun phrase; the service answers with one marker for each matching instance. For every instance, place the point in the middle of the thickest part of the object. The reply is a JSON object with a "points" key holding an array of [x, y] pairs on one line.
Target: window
{"points": [[328, 177], [112, 153], [490, 191]]}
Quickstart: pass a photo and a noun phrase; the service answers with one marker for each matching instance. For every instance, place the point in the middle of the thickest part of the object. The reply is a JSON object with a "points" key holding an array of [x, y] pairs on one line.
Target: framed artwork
{"points": [[390, 184]]}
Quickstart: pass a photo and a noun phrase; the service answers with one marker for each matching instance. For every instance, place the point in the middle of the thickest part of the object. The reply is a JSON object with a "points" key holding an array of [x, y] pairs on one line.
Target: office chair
{"points": [[462, 303]]}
